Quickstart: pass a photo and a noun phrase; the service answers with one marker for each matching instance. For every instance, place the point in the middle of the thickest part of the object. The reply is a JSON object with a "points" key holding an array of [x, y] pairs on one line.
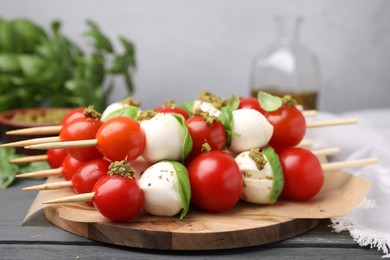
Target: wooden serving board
{"points": [[241, 226]]}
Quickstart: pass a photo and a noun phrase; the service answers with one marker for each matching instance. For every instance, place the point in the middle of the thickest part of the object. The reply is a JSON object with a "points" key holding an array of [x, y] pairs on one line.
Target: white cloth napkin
{"points": [[369, 223]]}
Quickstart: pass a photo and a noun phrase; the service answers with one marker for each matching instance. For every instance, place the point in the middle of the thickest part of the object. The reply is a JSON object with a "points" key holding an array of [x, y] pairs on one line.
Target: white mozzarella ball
{"points": [[164, 138], [206, 107], [257, 183], [250, 130], [159, 184]]}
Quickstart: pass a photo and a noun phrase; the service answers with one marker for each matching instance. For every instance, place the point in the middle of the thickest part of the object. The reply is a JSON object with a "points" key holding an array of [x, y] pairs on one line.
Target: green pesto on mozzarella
{"points": [[264, 185], [205, 107], [166, 189], [250, 130], [166, 138]]}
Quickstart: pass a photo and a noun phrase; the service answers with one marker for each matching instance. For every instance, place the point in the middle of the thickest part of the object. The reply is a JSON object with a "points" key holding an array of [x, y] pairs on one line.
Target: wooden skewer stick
{"points": [[69, 144], [39, 130], [309, 113], [40, 174], [32, 142], [50, 186], [326, 151], [326, 166], [75, 198], [56, 129], [29, 159], [305, 143], [348, 164], [344, 121]]}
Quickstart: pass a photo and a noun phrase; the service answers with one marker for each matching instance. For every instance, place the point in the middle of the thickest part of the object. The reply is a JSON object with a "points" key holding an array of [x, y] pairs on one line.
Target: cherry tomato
{"points": [[69, 166], [88, 174], [170, 107], [250, 102], [82, 129], [216, 181], [72, 115], [201, 132], [55, 157], [119, 138], [118, 198], [303, 174], [289, 127]]}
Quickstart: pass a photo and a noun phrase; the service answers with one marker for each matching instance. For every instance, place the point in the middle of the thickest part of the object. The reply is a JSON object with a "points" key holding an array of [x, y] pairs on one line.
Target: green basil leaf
{"points": [[34, 166], [234, 102], [187, 143], [226, 118], [187, 106], [269, 102], [184, 186], [129, 111], [7, 170], [278, 183], [9, 63], [101, 41]]}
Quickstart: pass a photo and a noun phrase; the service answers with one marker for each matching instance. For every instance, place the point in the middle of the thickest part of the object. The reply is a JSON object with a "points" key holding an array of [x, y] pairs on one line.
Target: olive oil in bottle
{"points": [[287, 67]]}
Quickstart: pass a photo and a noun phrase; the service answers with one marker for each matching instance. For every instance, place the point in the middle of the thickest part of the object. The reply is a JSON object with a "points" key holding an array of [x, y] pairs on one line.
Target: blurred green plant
{"points": [[45, 67]]}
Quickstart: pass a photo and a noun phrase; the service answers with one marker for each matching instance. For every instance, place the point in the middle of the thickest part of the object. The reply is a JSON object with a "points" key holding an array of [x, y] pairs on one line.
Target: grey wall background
{"points": [[187, 46]]}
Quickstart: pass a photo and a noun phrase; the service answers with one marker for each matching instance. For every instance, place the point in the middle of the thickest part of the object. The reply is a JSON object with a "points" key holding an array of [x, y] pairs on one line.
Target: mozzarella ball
{"points": [[160, 186], [164, 138], [205, 107], [257, 183], [250, 130]]}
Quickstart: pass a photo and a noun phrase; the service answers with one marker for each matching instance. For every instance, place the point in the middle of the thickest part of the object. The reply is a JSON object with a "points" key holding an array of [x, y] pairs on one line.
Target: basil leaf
{"points": [[188, 107], [184, 186], [269, 102], [187, 143], [7, 169], [226, 118], [278, 183], [128, 111], [234, 102], [34, 166]]}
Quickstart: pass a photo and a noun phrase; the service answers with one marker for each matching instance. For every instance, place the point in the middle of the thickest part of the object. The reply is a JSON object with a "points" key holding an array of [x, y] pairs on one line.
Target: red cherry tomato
{"points": [[72, 115], [121, 137], [172, 109], [55, 157], [88, 174], [201, 132], [118, 198], [82, 129], [289, 127], [303, 174], [69, 166], [216, 181], [250, 102]]}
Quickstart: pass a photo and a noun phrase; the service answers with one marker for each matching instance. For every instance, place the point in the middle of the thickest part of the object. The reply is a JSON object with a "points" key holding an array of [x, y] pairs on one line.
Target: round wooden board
{"points": [[239, 227]]}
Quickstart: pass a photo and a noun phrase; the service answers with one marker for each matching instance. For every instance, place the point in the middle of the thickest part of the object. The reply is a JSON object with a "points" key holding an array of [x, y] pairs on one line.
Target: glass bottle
{"points": [[287, 67]]}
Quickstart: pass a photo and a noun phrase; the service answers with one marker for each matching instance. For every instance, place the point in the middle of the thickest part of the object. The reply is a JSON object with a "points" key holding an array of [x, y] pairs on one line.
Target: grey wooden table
{"points": [[41, 240]]}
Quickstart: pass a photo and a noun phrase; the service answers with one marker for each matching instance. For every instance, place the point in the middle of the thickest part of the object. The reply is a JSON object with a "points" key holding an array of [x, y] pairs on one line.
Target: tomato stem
{"points": [[170, 103], [206, 148]]}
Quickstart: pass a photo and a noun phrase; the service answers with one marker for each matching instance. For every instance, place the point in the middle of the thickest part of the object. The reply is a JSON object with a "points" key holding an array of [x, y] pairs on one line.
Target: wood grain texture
{"points": [[237, 228]]}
